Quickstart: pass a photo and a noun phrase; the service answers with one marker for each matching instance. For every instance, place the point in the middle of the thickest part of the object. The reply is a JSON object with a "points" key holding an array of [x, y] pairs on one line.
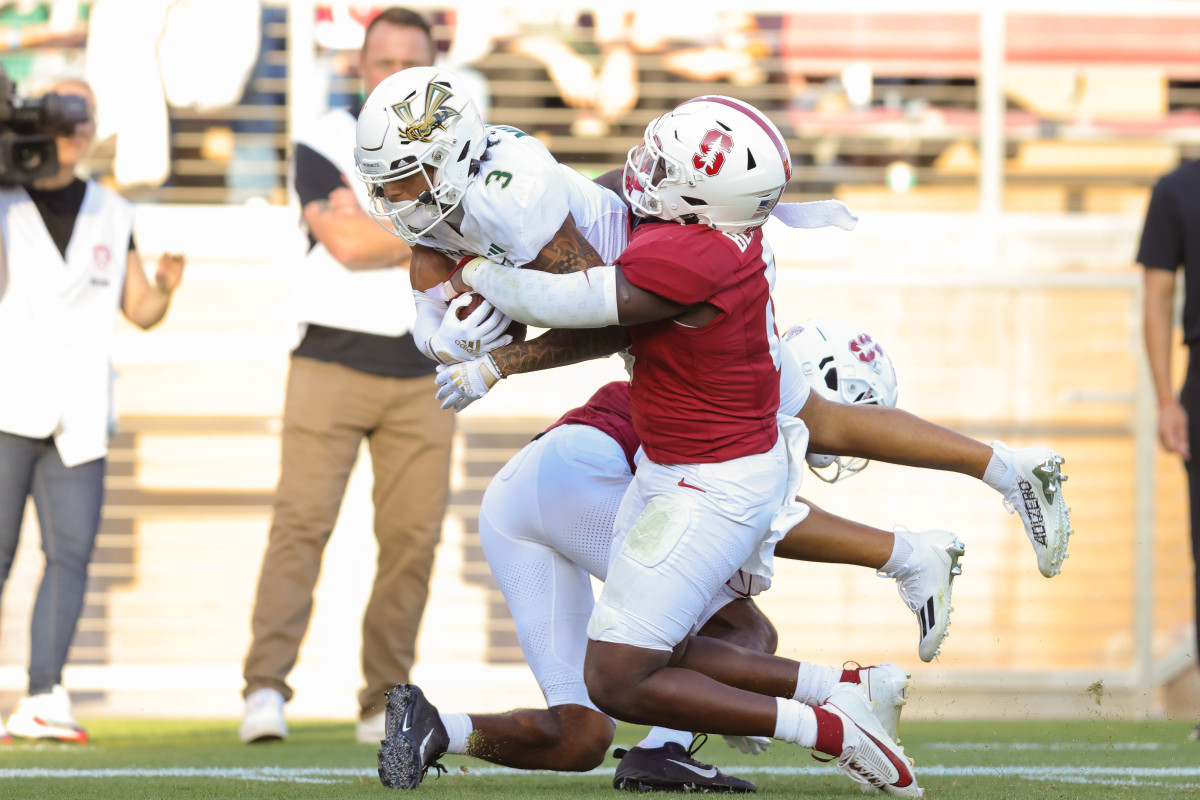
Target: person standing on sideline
{"points": [[1171, 238], [356, 374], [69, 263]]}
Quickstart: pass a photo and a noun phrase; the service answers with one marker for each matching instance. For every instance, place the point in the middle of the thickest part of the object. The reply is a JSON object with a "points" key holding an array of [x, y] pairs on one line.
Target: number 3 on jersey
{"points": [[503, 178]]}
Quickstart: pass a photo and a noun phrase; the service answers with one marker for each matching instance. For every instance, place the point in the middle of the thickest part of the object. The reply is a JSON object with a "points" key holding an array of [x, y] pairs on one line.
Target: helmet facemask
{"points": [[413, 218], [647, 170], [843, 364], [854, 392]]}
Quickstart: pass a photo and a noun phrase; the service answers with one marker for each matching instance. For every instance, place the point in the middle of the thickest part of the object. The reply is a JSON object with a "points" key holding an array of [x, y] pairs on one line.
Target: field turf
{"points": [[1014, 760]]}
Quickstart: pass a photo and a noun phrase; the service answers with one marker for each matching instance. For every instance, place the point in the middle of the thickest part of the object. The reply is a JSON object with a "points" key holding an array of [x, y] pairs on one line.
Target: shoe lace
{"points": [[859, 772], [698, 741], [437, 767]]}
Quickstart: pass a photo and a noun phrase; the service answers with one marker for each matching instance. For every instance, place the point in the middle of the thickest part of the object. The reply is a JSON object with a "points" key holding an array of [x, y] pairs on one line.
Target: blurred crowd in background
{"points": [[867, 99]]}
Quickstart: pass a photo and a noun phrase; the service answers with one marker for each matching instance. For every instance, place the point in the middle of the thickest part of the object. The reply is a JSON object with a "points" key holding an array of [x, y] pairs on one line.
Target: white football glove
{"points": [[464, 383], [458, 340], [751, 745], [430, 311]]}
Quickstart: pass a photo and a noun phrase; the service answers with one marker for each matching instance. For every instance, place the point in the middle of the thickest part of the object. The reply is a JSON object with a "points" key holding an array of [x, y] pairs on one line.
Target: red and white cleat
{"points": [[46, 716]]}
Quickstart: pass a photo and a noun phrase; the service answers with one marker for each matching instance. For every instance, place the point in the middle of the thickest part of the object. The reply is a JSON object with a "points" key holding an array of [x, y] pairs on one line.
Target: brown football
{"points": [[466, 310]]}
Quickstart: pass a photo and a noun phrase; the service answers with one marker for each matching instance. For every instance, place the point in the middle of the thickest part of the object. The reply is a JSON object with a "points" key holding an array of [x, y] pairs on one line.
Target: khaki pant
{"points": [[328, 411]]}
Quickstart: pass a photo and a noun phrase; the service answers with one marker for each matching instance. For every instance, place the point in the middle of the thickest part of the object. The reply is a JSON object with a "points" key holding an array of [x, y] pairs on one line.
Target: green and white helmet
{"points": [[419, 120]]}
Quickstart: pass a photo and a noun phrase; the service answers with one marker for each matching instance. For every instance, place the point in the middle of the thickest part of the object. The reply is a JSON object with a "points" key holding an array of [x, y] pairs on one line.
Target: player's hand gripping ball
{"points": [[464, 311]]}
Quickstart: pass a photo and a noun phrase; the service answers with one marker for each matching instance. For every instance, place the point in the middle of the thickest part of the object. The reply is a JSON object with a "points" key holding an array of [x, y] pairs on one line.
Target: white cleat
{"points": [[925, 582], [868, 754], [263, 720], [1035, 495], [371, 730], [885, 688], [46, 716]]}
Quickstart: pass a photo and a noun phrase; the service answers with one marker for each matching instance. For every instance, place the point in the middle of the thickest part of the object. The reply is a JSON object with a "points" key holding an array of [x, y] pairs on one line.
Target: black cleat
{"points": [[415, 739], [670, 768]]}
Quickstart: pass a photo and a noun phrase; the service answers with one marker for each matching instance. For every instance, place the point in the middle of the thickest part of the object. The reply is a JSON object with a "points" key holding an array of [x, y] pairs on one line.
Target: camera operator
{"points": [[69, 263]]}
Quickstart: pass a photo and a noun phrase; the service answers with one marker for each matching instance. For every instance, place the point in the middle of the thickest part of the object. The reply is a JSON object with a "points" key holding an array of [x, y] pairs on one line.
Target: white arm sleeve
{"points": [[585, 299]]}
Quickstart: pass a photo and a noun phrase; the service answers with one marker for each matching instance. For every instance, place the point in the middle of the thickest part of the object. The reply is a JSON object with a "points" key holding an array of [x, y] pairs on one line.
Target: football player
{"points": [[453, 187], [408, 188], [546, 525]]}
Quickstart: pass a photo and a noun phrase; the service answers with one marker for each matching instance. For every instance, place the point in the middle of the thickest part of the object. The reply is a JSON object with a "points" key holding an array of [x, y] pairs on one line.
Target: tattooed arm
{"points": [[568, 251], [559, 348], [460, 385]]}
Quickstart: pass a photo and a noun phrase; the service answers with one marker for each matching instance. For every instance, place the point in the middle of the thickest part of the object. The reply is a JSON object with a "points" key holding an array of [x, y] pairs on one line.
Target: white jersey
{"points": [[56, 321], [794, 388], [520, 199]]}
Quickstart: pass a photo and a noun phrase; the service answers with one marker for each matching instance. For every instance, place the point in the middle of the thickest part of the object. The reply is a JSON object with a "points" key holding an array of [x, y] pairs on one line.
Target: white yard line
{"points": [[1107, 776], [1051, 747]]}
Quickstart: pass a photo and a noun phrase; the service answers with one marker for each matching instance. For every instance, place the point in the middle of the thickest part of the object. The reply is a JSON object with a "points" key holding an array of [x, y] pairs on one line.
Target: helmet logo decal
{"points": [[713, 148], [436, 114], [865, 348], [632, 184]]}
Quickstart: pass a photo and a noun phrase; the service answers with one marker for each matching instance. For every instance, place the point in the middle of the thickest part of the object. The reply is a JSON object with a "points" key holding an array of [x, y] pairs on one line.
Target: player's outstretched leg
{"points": [[670, 768], [1032, 489], [415, 739], [863, 749], [925, 580]]}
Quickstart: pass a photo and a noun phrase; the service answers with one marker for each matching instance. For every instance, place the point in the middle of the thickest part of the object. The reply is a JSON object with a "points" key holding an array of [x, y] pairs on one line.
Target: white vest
{"points": [[56, 321], [325, 292]]}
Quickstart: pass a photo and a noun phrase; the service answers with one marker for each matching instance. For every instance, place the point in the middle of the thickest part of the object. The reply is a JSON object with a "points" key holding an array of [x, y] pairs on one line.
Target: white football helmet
{"points": [[714, 160], [844, 364], [419, 120]]}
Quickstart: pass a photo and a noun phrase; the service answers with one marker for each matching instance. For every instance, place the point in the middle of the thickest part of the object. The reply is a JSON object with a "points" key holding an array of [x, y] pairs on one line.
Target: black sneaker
{"points": [[415, 739], [670, 768]]}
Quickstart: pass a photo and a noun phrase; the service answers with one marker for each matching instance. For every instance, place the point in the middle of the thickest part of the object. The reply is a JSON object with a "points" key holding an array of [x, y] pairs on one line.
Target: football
{"points": [[466, 310], [515, 329]]}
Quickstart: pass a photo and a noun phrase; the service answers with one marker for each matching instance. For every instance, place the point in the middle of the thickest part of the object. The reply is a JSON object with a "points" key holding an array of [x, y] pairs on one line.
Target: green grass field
{"points": [[977, 760]]}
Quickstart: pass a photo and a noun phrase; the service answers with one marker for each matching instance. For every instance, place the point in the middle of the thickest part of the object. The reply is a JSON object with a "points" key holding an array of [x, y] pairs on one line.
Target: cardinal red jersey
{"points": [[708, 394], [608, 411]]}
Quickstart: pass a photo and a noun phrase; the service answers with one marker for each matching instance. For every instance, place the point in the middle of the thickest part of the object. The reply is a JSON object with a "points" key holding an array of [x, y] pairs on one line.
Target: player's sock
{"points": [[996, 474], [657, 737], [830, 732], [458, 728], [850, 676], [901, 550], [814, 683], [796, 722]]}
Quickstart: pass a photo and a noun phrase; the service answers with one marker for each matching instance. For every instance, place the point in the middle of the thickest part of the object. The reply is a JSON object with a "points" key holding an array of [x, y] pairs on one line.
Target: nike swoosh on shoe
{"points": [[424, 742], [711, 772]]}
